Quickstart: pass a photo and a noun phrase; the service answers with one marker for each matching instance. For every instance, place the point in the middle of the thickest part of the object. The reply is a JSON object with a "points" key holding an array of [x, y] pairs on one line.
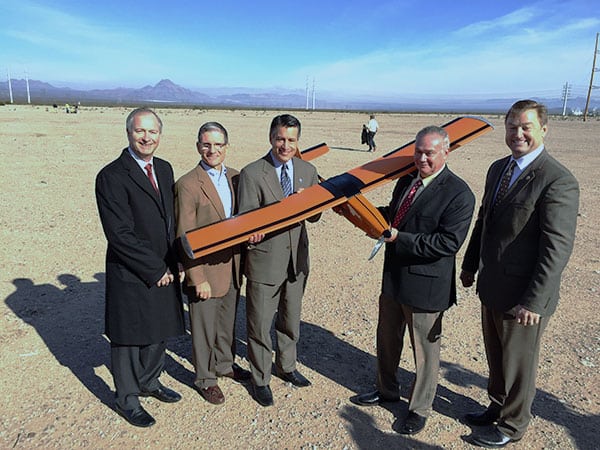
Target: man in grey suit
{"points": [[276, 266], [522, 240], [430, 214], [203, 196]]}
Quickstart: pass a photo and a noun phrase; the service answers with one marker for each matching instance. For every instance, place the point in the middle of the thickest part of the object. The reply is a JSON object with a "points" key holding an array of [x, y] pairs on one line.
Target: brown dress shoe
{"points": [[212, 394]]}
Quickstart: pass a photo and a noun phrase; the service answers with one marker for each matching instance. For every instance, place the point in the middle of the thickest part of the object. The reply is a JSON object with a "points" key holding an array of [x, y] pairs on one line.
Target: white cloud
{"points": [[515, 18]]}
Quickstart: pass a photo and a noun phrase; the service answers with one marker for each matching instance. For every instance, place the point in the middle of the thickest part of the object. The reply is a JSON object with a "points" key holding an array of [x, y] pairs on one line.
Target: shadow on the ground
{"points": [[70, 321]]}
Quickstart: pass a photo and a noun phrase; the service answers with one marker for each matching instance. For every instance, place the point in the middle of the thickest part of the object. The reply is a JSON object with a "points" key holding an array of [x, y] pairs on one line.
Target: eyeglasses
{"points": [[205, 146]]}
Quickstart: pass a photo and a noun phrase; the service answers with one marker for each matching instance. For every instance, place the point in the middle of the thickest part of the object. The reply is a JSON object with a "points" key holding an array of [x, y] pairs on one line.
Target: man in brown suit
{"points": [[522, 240], [203, 196]]}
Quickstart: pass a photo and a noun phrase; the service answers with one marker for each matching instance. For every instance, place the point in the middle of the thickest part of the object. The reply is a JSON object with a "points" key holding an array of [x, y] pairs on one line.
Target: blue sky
{"points": [[380, 48]]}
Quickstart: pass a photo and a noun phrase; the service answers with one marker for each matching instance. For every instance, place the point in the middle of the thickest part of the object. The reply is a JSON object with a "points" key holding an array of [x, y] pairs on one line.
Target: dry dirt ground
{"points": [[56, 388]]}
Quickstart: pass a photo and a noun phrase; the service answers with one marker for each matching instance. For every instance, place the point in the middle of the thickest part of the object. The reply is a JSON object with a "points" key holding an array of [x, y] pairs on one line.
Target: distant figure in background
{"points": [[521, 242], [364, 135], [373, 127], [205, 195], [143, 296], [430, 214]]}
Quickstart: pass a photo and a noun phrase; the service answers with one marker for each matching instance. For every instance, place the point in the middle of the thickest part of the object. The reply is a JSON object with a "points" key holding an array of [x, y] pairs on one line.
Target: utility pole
{"points": [[9, 85], [27, 84], [566, 92], [307, 96], [587, 102]]}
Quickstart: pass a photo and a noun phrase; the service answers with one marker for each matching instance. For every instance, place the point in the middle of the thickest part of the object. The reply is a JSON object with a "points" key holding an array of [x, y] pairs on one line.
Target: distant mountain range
{"points": [[165, 92]]}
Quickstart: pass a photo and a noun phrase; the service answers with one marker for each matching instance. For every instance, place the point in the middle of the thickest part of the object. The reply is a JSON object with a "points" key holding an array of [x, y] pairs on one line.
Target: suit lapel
{"points": [[407, 181], [428, 193], [141, 179], [209, 190], [520, 183], [270, 176]]}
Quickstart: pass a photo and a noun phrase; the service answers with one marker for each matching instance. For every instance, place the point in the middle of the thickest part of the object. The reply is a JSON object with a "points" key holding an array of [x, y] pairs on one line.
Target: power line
{"points": [[594, 69], [566, 91]]}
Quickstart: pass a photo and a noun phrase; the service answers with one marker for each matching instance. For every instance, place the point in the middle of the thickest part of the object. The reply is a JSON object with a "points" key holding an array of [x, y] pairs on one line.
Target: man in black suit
{"points": [[430, 215], [521, 242], [134, 194]]}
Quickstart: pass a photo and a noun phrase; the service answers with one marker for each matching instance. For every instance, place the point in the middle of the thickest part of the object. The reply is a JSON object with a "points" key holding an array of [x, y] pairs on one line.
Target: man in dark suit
{"points": [[143, 301], [277, 266], [522, 240], [430, 214], [203, 196]]}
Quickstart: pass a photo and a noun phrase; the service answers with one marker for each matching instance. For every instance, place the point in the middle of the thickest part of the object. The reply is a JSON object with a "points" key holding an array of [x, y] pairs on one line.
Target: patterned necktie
{"points": [[286, 183], [504, 184], [151, 177], [404, 207]]}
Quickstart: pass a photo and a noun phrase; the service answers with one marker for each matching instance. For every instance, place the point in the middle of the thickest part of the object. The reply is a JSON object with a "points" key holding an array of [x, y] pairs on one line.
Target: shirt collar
{"points": [[212, 171], [527, 159], [139, 160], [278, 163], [430, 178]]}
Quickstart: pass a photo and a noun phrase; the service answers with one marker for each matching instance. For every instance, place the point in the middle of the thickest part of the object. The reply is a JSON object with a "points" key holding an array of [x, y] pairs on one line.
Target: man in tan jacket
{"points": [[205, 195]]}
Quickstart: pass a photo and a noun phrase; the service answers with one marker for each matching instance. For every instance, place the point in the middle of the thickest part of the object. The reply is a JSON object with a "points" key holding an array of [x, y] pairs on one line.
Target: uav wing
{"points": [[332, 192]]}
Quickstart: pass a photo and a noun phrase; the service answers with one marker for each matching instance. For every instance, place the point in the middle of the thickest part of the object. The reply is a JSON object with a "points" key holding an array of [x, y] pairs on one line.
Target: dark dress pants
{"points": [[512, 352], [135, 369]]}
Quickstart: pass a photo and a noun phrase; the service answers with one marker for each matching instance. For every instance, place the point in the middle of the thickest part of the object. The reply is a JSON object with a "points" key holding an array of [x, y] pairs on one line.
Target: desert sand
{"points": [[55, 382]]}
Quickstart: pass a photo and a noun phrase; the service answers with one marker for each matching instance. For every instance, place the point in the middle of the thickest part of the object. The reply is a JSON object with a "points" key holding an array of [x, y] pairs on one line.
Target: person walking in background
{"points": [[276, 266], [134, 194], [521, 242], [205, 195], [430, 214], [372, 127]]}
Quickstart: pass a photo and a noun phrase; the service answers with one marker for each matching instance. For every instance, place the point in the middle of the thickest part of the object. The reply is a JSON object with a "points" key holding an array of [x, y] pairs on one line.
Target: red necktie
{"points": [[151, 177], [404, 207]]}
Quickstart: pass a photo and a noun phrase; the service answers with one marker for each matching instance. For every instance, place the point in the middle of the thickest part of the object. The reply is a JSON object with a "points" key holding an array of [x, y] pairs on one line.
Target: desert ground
{"points": [[56, 387]]}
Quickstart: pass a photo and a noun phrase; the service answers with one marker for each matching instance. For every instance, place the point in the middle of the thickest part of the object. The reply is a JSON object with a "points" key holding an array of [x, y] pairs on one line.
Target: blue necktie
{"points": [[286, 183]]}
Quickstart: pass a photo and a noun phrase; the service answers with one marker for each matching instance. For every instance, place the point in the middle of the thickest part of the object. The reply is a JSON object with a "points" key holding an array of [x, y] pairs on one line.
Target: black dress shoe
{"points": [[164, 394], [296, 378], [492, 438], [413, 424], [486, 418], [371, 399], [238, 374], [263, 395], [138, 417]]}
